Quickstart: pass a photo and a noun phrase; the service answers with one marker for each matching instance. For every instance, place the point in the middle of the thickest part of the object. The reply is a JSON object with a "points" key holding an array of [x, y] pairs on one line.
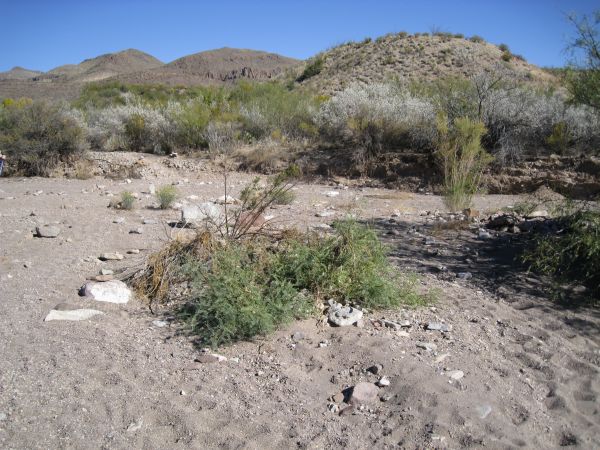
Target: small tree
{"points": [[462, 159], [584, 76]]}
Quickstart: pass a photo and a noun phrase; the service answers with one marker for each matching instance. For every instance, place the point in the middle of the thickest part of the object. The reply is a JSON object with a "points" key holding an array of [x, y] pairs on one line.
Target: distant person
{"points": [[2, 161]]}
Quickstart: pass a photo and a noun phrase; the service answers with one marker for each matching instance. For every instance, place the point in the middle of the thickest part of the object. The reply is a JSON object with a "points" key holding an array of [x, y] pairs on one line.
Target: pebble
{"points": [[110, 257], [441, 358], [134, 426], [430, 347], [104, 271], [298, 336], [113, 291], [483, 411], [383, 382], [160, 323], [323, 344], [464, 275], [103, 278], [438, 326], [455, 374], [133, 251], [342, 316], [149, 221], [72, 315], [325, 214], [332, 407], [484, 235], [363, 393], [119, 220], [47, 231], [338, 398], [3, 417], [332, 194], [375, 369], [136, 231]]}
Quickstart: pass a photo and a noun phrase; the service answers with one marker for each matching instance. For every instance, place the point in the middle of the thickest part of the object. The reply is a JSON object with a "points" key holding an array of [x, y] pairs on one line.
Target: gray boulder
{"points": [[47, 231]]}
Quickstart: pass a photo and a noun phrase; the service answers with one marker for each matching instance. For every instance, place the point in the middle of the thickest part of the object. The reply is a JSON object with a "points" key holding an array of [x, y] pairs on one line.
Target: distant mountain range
{"points": [[399, 56]]}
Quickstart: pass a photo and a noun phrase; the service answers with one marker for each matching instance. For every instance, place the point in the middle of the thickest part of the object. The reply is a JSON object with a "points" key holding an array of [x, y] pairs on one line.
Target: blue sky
{"points": [[44, 34]]}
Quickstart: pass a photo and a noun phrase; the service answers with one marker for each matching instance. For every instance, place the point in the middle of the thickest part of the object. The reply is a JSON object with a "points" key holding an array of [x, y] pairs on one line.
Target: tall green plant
{"points": [[462, 158]]}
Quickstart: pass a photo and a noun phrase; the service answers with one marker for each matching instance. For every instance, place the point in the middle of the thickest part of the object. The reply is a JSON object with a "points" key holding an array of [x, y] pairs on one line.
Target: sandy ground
{"points": [[118, 381]]}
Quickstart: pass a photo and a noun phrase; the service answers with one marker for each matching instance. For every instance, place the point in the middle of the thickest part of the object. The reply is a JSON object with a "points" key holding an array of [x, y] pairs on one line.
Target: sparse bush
{"points": [[506, 56], [504, 48], [477, 39], [376, 117], [572, 254], [83, 169], [127, 200], [462, 159], [559, 139], [240, 289], [37, 136], [313, 67], [166, 195]]}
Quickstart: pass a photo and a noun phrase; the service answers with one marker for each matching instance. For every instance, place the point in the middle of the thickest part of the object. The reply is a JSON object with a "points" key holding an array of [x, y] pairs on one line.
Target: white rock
{"points": [[73, 314], [152, 189], [227, 200], [111, 256], [332, 194], [113, 291], [383, 382], [325, 214], [343, 316], [198, 213], [455, 374], [47, 231]]}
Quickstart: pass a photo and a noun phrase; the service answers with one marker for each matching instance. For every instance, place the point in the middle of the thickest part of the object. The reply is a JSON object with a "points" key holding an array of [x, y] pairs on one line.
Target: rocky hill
{"points": [[412, 57], [18, 73], [215, 67]]}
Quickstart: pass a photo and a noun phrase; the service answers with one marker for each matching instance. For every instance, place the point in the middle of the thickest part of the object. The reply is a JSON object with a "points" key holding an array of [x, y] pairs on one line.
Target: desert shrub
{"points": [[83, 169], [268, 107], [376, 117], [166, 195], [506, 56], [559, 139], [284, 197], [127, 200], [134, 127], [504, 48], [477, 39], [313, 67], [573, 254], [37, 136], [241, 289], [462, 159], [220, 137], [267, 156]]}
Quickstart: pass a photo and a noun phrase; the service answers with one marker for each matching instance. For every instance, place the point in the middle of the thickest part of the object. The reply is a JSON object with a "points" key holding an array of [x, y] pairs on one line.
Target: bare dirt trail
{"points": [[529, 370]]}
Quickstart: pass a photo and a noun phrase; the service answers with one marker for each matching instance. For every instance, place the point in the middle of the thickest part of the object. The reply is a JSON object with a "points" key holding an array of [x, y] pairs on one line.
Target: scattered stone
{"points": [[3, 417], [47, 231], [135, 426], [73, 314], [149, 222], [342, 316], [332, 194], [537, 213], [133, 251], [322, 226], [332, 407], [207, 358], [360, 323], [197, 213], [471, 213], [437, 326], [483, 411], [298, 336], [27, 264], [375, 369], [182, 392], [103, 278], [110, 257], [152, 189], [402, 333], [325, 214], [160, 323], [455, 374], [386, 397], [104, 271], [229, 200], [430, 347], [136, 231], [338, 398], [464, 275], [323, 344], [119, 220], [113, 291], [441, 358], [363, 393], [484, 235], [397, 326], [383, 382]]}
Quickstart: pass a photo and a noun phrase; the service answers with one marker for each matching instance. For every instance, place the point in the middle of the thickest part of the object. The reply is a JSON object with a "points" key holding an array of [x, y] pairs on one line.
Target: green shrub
{"points": [[559, 140], [504, 48], [284, 197], [37, 136], [477, 39], [573, 254], [166, 195], [506, 56], [463, 160], [243, 289], [127, 200], [314, 67]]}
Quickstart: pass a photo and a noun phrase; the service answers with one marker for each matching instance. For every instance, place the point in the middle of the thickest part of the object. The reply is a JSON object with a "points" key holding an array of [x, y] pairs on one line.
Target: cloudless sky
{"points": [[41, 35]]}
